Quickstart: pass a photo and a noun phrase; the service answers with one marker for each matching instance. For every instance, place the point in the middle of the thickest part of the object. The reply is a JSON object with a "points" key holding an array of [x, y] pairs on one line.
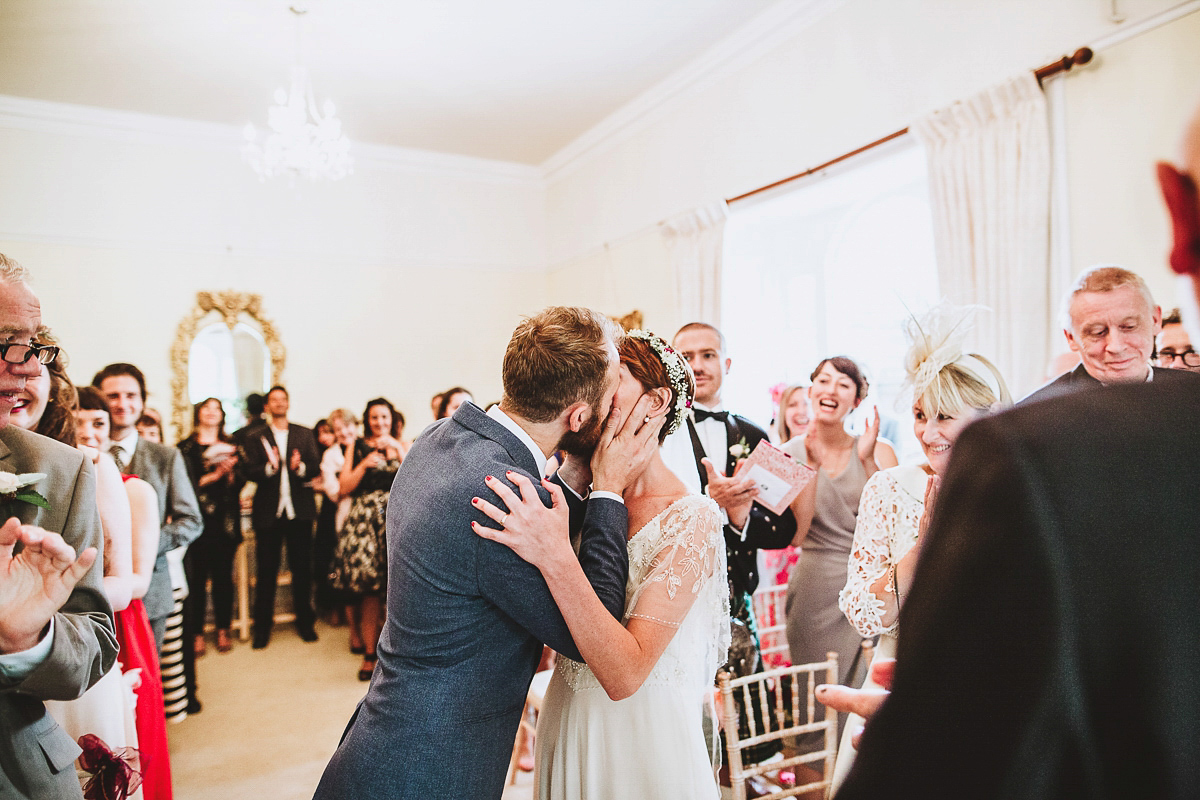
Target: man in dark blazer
{"points": [[1111, 322], [282, 459], [1051, 642], [467, 617], [124, 389], [56, 630], [701, 454]]}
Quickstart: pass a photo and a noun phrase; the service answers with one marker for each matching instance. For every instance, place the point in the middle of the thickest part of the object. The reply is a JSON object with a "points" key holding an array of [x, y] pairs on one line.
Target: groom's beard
{"points": [[582, 443]]}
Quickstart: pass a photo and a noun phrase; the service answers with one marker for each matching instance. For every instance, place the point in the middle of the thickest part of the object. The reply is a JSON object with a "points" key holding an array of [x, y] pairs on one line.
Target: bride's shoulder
{"points": [[693, 511]]}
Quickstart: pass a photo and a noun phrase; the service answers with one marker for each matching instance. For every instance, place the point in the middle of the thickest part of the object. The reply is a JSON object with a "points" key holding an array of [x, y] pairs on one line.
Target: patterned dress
{"points": [[360, 560]]}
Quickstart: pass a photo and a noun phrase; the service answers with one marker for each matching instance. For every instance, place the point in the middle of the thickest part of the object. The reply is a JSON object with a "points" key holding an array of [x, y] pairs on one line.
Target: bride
{"points": [[629, 723]]}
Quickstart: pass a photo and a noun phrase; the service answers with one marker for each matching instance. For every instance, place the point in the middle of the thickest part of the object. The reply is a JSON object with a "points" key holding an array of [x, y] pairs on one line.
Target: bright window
{"points": [[831, 268]]}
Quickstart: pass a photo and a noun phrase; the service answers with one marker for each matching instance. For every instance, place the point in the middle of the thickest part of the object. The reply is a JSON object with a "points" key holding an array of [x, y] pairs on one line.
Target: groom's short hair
{"points": [[556, 358]]}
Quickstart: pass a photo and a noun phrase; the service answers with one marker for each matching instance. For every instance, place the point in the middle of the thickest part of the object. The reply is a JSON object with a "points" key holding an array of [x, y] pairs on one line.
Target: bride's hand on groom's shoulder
{"points": [[538, 534], [624, 451]]}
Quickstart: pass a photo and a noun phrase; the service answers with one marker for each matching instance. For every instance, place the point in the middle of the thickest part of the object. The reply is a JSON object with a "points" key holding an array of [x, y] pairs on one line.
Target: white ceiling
{"points": [[515, 80]]}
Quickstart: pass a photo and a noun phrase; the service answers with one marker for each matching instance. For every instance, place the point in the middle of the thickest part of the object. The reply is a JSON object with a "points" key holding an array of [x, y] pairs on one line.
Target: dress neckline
{"points": [[663, 513]]}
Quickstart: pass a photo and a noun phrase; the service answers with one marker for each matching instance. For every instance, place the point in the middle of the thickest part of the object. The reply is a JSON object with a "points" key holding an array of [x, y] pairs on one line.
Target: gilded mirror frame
{"points": [[230, 307]]}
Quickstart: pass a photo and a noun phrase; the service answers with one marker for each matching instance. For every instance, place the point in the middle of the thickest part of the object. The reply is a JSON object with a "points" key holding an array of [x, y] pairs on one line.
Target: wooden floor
{"points": [[271, 720]]}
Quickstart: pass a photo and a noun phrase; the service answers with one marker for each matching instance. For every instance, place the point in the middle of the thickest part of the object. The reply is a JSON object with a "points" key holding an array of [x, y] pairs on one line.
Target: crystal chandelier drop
{"points": [[303, 139]]}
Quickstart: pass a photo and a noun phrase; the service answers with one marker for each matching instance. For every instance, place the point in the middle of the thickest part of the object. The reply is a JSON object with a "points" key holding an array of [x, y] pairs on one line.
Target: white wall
{"points": [[403, 280], [1121, 118]]}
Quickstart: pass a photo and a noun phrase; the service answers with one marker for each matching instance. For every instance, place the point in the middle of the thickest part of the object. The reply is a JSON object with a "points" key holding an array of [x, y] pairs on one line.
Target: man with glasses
{"points": [[1175, 346], [56, 630]]}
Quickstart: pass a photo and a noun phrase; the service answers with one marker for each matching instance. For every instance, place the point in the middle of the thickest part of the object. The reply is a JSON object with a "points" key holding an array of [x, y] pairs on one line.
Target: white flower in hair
{"points": [[677, 374]]}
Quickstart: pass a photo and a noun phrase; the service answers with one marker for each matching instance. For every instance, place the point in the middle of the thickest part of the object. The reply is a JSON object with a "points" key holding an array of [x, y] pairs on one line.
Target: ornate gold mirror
{"points": [[225, 348]]}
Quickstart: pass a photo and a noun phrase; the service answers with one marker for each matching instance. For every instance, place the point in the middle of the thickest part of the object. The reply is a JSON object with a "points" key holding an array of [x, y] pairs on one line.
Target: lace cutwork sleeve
{"points": [[684, 557], [880, 510]]}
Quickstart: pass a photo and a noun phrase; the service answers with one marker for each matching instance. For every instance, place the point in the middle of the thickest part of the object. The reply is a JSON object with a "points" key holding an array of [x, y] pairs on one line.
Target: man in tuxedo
{"points": [[56, 630], [466, 616], [1111, 323], [124, 389], [282, 458], [700, 454], [1050, 644]]}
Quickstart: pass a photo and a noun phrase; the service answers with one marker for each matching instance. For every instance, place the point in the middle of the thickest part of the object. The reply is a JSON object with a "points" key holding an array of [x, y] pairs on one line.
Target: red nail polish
{"points": [[475, 501], [489, 478]]}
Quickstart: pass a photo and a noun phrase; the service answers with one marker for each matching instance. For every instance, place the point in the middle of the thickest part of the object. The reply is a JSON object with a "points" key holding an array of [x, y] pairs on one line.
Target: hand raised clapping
{"points": [[34, 583]]}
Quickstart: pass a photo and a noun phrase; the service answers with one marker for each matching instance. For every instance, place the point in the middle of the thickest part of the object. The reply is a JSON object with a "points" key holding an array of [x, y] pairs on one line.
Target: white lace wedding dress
{"points": [[649, 745]]}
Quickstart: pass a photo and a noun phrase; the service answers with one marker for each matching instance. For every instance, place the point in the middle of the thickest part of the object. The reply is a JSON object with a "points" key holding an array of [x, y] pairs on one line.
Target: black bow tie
{"points": [[720, 416]]}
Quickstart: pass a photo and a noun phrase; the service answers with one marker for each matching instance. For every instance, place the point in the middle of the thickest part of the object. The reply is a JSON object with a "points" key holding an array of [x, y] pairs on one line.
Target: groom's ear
{"points": [[577, 415]]}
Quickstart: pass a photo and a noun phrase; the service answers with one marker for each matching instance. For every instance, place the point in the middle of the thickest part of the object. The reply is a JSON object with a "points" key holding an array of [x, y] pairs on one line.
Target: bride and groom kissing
{"points": [[487, 561]]}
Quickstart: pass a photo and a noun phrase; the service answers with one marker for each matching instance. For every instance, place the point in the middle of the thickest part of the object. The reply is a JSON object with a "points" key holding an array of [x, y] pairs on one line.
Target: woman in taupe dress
{"points": [[815, 624]]}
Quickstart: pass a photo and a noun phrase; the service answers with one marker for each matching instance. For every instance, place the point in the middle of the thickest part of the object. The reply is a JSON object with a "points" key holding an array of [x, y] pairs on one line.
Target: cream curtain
{"points": [[694, 241], [989, 167]]}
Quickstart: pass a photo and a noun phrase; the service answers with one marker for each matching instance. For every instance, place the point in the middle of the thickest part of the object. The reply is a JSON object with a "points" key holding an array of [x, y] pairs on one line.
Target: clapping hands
{"points": [[36, 582], [735, 495]]}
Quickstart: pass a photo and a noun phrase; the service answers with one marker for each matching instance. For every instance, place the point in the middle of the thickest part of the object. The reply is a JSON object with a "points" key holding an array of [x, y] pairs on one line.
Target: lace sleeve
{"points": [[871, 555], [687, 554]]}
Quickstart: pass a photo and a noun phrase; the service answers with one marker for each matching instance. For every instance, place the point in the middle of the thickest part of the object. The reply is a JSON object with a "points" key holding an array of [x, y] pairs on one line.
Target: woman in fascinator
{"points": [[950, 389]]}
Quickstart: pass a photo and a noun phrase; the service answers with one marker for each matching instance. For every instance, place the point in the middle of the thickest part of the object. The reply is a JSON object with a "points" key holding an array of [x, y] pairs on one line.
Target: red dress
{"points": [[138, 651]]}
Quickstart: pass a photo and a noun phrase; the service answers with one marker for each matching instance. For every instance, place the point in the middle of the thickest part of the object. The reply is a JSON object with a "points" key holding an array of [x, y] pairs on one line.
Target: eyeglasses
{"points": [[1190, 357], [21, 353]]}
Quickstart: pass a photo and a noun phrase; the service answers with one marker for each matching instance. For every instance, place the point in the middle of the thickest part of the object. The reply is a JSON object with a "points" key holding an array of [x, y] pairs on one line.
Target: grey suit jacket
{"points": [[163, 468], [466, 619], [36, 755]]}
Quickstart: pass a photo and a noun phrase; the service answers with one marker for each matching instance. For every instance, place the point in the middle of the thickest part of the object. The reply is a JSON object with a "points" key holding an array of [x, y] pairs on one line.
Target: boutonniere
{"points": [[740, 451], [16, 487]]}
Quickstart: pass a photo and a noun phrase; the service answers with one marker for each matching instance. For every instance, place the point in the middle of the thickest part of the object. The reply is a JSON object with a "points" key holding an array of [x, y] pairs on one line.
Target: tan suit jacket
{"points": [[36, 755]]}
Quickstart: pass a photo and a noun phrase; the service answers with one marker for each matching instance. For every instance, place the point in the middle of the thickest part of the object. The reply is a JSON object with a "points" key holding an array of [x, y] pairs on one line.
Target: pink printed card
{"points": [[778, 476]]}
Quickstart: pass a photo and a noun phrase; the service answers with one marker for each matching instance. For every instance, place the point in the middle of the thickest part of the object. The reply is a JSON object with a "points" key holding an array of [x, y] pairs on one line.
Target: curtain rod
{"points": [[1081, 56]]}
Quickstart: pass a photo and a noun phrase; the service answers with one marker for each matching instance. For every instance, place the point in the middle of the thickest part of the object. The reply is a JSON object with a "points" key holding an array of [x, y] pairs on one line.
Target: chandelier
{"points": [[303, 139]]}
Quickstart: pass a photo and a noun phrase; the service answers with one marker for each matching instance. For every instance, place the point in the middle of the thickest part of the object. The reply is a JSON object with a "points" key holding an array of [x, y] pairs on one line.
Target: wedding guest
{"points": [[104, 710], [1175, 349], [124, 389], [451, 399], [324, 534], [950, 389], [1016, 675], [1112, 321], [255, 411], [360, 560], [793, 413], [435, 403], [702, 455], [150, 429], [844, 463], [212, 463], [56, 630], [334, 508], [138, 656], [281, 457]]}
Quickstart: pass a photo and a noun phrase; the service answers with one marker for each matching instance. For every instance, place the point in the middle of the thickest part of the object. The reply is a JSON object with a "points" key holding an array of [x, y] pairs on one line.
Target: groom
{"points": [[466, 617]]}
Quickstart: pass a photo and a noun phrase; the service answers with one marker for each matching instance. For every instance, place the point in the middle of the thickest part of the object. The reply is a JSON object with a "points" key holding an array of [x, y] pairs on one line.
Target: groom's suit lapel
{"points": [[471, 417]]}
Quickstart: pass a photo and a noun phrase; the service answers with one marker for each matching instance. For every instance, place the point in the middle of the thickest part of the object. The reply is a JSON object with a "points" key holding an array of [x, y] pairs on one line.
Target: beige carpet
{"points": [[271, 720]]}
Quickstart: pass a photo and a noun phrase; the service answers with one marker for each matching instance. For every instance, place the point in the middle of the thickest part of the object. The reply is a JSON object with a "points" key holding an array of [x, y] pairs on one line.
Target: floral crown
{"points": [[677, 374]]}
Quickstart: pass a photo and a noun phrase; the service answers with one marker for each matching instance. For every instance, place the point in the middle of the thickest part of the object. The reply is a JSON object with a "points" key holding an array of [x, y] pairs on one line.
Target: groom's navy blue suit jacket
{"points": [[466, 619]]}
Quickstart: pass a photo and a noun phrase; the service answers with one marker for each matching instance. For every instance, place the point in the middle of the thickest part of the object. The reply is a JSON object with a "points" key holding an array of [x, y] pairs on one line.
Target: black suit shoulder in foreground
{"points": [[1051, 644]]}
